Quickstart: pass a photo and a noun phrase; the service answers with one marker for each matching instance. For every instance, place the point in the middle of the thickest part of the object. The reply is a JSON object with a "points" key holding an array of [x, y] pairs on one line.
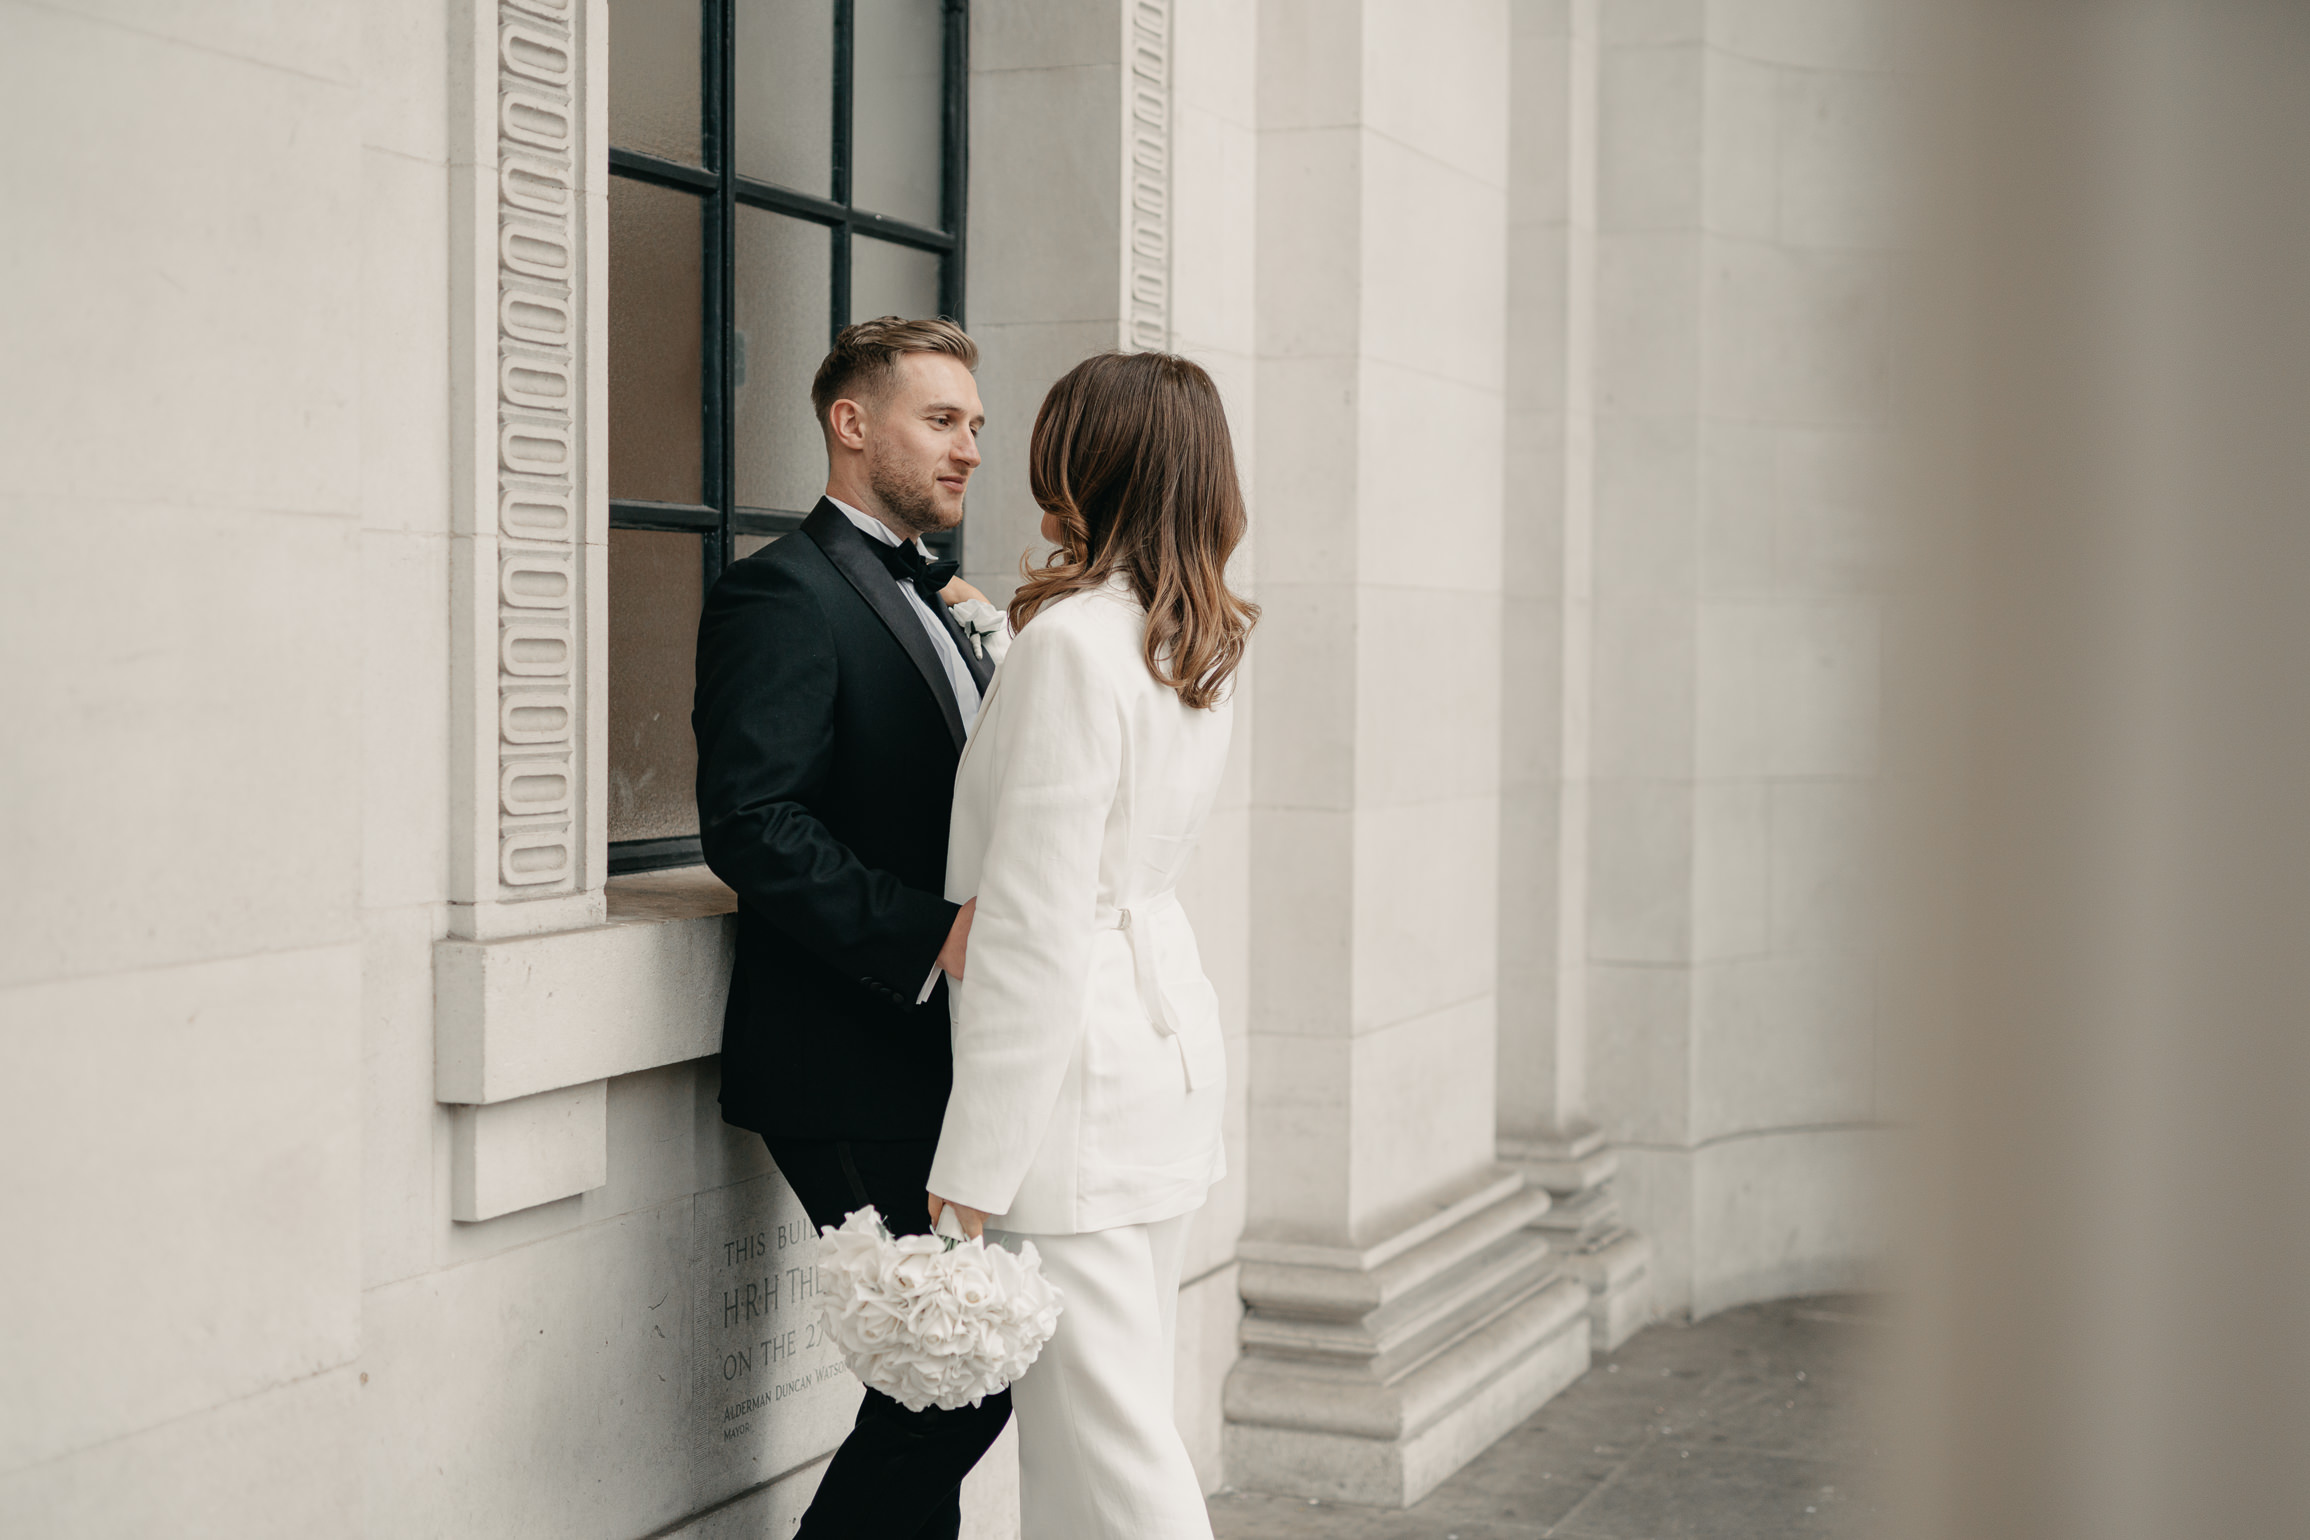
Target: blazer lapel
{"points": [[845, 546]]}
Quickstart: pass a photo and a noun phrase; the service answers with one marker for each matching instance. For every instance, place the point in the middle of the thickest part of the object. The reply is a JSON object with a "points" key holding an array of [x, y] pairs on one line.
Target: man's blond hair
{"points": [[864, 362]]}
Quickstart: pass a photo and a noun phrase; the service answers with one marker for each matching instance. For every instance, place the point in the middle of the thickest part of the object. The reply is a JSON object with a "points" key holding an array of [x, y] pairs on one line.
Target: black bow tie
{"points": [[909, 565]]}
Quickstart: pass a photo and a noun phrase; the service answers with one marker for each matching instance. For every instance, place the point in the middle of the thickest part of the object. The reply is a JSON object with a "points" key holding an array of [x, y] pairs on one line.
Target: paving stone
{"points": [[1689, 1432], [1675, 1491], [1248, 1516], [1780, 1414], [1531, 1478]]}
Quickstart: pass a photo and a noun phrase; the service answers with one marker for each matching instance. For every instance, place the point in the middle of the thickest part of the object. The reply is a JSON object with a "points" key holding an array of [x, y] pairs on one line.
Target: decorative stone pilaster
{"points": [[1402, 1312], [528, 565], [1547, 708], [1369, 1376], [529, 248], [1147, 175]]}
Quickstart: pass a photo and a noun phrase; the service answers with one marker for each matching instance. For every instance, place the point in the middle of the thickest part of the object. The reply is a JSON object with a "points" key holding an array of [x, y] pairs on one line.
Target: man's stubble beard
{"points": [[912, 505]]}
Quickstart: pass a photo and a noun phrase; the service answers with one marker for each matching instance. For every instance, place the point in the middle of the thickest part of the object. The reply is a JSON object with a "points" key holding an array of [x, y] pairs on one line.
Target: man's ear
{"points": [[846, 423]]}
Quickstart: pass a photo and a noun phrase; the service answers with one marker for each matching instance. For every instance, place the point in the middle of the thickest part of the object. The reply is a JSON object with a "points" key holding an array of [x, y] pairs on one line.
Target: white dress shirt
{"points": [[958, 673]]}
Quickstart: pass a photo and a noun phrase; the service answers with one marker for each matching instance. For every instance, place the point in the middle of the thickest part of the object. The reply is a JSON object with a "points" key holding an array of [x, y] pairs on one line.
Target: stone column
{"points": [[1742, 397], [1548, 618], [1401, 1314]]}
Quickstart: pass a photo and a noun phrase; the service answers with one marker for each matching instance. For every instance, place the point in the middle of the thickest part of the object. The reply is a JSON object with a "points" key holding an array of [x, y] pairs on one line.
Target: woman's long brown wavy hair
{"points": [[1131, 454]]}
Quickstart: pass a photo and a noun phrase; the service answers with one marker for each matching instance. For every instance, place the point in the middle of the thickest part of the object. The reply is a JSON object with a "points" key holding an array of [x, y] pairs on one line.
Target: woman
{"points": [[1089, 1071]]}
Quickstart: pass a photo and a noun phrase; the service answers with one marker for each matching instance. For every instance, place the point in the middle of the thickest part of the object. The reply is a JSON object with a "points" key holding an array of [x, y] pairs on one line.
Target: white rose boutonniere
{"points": [[988, 628], [932, 1320]]}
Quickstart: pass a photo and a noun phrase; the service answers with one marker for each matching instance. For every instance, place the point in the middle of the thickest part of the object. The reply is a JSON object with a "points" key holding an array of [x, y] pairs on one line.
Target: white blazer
{"points": [[1089, 1072]]}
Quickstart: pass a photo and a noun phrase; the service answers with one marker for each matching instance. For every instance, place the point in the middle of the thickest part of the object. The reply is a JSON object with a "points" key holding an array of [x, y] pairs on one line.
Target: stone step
{"points": [[1617, 1267], [1580, 1214], [1314, 1397], [1393, 1339], [1479, 1189], [1328, 1290], [1563, 1167]]}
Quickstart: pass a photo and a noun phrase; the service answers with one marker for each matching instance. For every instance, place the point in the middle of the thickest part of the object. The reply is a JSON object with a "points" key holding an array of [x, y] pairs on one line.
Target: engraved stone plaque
{"points": [[769, 1391]]}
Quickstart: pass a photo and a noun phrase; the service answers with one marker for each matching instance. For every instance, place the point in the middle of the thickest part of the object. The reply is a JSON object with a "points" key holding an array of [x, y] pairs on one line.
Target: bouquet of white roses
{"points": [[932, 1320]]}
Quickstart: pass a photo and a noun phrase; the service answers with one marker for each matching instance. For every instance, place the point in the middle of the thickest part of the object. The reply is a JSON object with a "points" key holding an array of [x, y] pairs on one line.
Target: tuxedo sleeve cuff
{"points": [[929, 983], [915, 933]]}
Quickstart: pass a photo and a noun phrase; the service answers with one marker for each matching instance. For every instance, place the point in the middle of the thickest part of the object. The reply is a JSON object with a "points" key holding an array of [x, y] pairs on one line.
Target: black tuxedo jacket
{"points": [[827, 740]]}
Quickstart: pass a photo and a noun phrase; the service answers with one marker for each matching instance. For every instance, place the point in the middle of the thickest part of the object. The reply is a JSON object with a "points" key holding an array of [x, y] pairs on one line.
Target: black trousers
{"points": [[898, 1476]]}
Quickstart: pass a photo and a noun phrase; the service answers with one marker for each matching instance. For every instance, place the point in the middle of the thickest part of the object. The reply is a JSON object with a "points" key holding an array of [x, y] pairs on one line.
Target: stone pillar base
{"points": [[1584, 1225], [1369, 1376]]}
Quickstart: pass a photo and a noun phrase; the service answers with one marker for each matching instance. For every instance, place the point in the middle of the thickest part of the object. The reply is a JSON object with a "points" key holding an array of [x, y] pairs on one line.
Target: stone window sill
{"points": [[529, 1030], [682, 893]]}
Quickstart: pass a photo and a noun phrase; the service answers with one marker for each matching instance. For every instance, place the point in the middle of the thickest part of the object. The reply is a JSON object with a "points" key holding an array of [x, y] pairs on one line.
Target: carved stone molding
{"points": [[537, 447], [1583, 1224], [1369, 1376], [528, 264], [1147, 175]]}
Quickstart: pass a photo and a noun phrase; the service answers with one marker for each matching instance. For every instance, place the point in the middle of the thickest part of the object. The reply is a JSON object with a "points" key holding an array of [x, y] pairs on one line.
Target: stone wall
{"points": [[371, 1190], [197, 507]]}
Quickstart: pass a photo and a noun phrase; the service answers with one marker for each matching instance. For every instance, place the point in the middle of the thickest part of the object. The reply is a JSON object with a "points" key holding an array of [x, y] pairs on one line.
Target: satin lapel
{"points": [[982, 668], [845, 546]]}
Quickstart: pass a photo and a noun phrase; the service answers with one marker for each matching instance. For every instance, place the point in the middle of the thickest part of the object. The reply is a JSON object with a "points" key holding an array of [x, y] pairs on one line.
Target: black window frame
{"points": [[718, 520]]}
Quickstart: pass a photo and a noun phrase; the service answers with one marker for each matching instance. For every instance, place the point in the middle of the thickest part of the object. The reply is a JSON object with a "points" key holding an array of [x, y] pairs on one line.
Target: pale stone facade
{"points": [[369, 1178]]}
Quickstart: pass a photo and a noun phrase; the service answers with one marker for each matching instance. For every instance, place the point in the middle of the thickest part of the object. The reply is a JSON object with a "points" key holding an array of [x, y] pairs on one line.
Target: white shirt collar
{"points": [[869, 523]]}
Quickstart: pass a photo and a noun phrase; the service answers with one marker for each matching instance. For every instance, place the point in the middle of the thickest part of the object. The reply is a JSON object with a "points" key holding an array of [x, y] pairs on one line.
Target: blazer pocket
{"points": [[1202, 1047], [1193, 1003]]}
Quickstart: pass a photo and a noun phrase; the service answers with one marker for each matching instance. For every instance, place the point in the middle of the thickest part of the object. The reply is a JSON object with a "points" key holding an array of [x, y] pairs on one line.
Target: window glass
{"points": [[784, 275], [889, 279], [729, 270], [898, 109], [656, 584], [654, 77], [656, 332], [785, 69]]}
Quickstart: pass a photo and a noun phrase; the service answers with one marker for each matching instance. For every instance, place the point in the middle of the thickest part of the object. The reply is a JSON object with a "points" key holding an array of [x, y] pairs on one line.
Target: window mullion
{"points": [[720, 92], [954, 157], [845, 50], [845, 54]]}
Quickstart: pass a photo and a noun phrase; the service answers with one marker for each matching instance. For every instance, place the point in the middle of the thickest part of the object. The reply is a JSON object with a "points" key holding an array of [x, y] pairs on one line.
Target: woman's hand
{"points": [[973, 1222], [952, 956], [956, 591]]}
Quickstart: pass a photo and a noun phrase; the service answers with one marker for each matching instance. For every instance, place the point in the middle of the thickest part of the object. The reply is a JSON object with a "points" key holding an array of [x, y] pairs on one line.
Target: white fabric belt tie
{"points": [[1146, 970]]}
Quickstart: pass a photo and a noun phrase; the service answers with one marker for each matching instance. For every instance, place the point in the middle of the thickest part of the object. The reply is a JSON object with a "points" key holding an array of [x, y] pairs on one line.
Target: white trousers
{"points": [[1099, 1455]]}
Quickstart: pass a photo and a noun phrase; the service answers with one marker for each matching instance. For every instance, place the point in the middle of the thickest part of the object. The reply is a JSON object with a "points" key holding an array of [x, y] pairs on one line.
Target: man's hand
{"points": [[973, 1222], [958, 940], [956, 591]]}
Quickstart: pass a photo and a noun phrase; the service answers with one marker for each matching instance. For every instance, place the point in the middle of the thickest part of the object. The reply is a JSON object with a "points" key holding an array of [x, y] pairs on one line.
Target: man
{"points": [[834, 694]]}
